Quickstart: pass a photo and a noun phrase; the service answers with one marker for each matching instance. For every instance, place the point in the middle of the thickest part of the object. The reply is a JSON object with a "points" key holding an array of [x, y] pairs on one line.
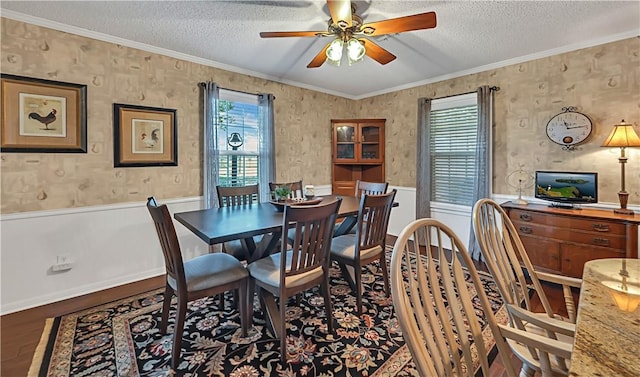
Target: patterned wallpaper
{"points": [[117, 74], [602, 82]]}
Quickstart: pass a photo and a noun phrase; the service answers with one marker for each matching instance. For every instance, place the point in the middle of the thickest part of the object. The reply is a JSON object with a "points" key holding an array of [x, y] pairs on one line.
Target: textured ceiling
{"points": [[470, 36]]}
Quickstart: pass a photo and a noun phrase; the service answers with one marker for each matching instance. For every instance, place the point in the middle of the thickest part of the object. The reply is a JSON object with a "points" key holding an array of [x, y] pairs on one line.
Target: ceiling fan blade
{"points": [[400, 24], [376, 52], [319, 59], [340, 11], [277, 34]]}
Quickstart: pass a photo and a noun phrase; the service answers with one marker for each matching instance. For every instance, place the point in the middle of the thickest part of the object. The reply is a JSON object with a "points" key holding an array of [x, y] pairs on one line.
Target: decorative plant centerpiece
{"points": [[282, 193]]}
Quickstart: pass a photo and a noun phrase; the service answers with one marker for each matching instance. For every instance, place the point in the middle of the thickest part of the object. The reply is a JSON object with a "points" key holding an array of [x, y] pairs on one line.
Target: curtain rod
{"points": [[493, 88], [232, 90]]}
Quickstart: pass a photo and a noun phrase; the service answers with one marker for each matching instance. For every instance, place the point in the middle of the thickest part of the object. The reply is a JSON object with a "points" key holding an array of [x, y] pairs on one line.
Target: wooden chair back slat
{"points": [[168, 240], [434, 307], [313, 226], [295, 187], [370, 188], [505, 255], [229, 196], [373, 220]]}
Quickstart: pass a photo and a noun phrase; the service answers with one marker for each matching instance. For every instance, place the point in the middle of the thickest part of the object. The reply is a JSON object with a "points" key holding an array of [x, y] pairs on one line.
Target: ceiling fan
{"points": [[347, 29]]}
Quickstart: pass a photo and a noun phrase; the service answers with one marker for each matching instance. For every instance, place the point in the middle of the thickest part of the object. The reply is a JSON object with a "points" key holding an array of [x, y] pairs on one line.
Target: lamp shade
{"points": [[623, 135]]}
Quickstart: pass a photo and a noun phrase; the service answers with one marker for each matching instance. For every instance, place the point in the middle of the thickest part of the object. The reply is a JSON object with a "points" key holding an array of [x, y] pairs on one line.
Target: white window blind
{"points": [[452, 139], [238, 114]]}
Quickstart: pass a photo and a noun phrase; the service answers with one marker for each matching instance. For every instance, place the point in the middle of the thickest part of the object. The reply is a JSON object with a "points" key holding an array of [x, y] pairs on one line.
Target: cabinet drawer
{"points": [[344, 187], [542, 252], [532, 217], [598, 239], [592, 225], [605, 227], [574, 256], [531, 229]]}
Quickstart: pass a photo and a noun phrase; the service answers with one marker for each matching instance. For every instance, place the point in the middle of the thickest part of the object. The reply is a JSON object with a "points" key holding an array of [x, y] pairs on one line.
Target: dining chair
{"points": [[434, 306], [202, 276], [229, 196], [518, 281], [295, 187], [294, 269], [367, 244], [508, 262], [296, 193], [370, 188]]}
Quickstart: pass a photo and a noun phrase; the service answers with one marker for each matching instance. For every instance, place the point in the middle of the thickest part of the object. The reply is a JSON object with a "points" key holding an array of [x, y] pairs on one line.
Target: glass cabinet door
{"points": [[345, 136], [370, 139]]}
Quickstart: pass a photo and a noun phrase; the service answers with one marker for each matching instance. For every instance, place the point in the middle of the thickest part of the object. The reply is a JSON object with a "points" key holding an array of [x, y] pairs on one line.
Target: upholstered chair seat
{"points": [[267, 270], [210, 270], [344, 247]]}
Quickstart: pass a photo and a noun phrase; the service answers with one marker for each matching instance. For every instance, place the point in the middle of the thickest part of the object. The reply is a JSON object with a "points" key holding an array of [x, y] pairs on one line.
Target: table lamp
{"points": [[622, 136]]}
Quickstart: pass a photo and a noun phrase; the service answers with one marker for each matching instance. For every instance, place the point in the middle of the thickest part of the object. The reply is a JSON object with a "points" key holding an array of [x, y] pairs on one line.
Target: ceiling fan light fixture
{"points": [[334, 52], [355, 50]]}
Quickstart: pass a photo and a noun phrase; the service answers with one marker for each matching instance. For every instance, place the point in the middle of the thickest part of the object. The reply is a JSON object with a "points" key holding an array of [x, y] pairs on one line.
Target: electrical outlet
{"points": [[63, 263], [62, 267]]}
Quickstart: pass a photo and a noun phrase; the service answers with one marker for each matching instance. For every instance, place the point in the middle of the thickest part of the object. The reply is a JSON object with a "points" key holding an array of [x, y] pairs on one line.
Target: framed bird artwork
{"points": [[43, 116], [144, 136]]}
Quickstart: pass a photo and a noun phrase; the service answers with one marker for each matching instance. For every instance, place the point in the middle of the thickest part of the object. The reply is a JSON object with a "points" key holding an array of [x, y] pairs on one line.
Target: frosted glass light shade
{"points": [[334, 52], [355, 50]]}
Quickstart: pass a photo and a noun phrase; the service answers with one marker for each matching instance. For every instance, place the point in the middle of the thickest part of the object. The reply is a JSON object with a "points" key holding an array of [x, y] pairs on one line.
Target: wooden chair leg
{"points": [[358, 290], [177, 334], [326, 292], [385, 274], [242, 305], [250, 301], [166, 305], [283, 331]]}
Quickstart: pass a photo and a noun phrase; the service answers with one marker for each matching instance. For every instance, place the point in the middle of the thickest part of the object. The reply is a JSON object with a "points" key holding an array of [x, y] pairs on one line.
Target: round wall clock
{"points": [[569, 128]]}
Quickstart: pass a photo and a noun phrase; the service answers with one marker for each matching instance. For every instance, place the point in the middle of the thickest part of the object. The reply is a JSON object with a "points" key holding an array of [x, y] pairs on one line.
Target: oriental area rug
{"points": [[123, 338]]}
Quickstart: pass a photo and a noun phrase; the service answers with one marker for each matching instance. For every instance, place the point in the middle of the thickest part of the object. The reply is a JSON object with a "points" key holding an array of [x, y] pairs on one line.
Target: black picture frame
{"points": [[144, 136], [42, 116]]}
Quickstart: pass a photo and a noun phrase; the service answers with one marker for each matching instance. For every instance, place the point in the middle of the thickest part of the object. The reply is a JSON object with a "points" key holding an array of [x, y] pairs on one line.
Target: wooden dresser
{"points": [[562, 240]]}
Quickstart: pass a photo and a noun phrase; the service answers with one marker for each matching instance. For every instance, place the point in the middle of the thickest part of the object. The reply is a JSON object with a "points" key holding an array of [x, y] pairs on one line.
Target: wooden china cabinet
{"points": [[357, 153]]}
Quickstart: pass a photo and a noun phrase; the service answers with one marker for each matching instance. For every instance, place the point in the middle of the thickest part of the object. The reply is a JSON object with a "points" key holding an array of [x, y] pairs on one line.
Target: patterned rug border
{"points": [[47, 345]]}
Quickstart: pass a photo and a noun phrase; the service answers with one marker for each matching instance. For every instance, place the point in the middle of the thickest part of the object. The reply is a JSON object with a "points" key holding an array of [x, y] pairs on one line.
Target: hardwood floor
{"points": [[20, 332]]}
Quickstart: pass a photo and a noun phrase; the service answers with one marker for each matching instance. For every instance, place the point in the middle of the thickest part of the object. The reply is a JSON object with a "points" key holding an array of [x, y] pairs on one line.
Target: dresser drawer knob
{"points": [[601, 227], [526, 230], [525, 217], [601, 241]]}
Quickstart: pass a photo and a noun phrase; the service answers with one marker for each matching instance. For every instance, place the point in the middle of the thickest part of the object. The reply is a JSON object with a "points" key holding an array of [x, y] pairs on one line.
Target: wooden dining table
{"points": [[218, 225]]}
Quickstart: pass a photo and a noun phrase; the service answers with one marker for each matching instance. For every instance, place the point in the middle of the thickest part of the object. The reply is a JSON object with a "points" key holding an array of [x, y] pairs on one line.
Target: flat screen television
{"points": [[565, 189]]}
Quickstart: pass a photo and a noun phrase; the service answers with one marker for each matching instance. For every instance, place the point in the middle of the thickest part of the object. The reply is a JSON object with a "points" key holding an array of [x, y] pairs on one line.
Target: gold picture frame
{"points": [[144, 136], [43, 116]]}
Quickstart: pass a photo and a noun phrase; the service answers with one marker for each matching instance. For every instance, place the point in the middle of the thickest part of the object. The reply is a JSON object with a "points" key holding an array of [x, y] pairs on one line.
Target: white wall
{"points": [[108, 245]]}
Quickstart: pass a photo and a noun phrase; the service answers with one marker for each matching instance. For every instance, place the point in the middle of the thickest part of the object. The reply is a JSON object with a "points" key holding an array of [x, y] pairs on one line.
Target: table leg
{"points": [[266, 246], [271, 311], [345, 226]]}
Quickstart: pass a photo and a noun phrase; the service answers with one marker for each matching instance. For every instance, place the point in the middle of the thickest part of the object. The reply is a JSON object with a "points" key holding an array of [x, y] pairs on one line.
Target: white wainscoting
{"points": [[108, 246], [117, 244]]}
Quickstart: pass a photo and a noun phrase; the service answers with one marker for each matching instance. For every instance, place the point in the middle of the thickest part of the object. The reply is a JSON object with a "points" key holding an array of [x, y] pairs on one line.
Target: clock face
{"points": [[569, 128]]}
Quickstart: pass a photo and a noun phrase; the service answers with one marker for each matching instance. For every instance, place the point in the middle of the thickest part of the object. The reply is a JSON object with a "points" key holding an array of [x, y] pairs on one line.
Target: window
{"points": [[452, 143], [238, 139]]}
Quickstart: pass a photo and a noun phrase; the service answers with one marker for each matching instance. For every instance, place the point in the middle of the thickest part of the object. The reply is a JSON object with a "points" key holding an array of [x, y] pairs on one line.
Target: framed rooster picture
{"points": [[144, 136], [43, 116]]}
